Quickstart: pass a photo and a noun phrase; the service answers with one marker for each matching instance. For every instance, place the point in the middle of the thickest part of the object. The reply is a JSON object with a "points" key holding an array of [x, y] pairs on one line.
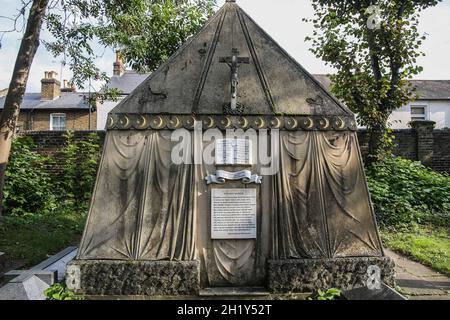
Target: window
{"points": [[58, 121], [418, 113]]}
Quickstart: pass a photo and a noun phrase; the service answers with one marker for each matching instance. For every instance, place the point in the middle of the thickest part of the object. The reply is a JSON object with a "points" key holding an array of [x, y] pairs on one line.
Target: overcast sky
{"points": [[280, 18]]}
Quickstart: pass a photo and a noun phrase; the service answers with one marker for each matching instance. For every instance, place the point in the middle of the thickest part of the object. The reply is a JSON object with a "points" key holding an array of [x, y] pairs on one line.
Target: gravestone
{"points": [[229, 167], [31, 284], [24, 287]]}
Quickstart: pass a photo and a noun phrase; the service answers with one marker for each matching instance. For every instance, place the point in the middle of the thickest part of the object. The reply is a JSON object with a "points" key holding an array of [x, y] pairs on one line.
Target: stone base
{"points": [[307, 275], [125, 278]]}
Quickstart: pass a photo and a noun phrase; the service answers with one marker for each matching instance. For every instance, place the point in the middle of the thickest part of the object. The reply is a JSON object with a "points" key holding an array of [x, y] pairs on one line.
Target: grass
{"points": [[33, 238], [429, 246]]}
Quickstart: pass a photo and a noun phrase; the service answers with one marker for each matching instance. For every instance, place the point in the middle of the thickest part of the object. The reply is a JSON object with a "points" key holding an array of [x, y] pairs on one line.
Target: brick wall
{"points": [[49, 143], [405, 143], [441, 150], [422, 142], [434, 147], [40, 119]]}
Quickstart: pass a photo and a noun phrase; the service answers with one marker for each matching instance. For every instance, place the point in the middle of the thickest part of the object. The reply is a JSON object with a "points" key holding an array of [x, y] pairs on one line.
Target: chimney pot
{"points": [[50, 87], [118, 66]]}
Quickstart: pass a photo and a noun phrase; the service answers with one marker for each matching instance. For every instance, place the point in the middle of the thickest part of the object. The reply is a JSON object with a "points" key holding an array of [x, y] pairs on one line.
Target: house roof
{"points": [[425, 89], [128, 81], [194, 81], [432, 89], [67, 100]]}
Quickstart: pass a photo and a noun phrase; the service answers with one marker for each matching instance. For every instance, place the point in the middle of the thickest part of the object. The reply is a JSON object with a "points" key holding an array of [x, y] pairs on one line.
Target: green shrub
{"points": [[79, 161], [59, 291], [29, 188], [330, 294], [406, 192]]}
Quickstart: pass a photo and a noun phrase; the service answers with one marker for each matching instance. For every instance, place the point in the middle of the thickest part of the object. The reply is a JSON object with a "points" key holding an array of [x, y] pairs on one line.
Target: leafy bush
{"points": [[29, 187], [80, 163], [59, 291], [330, 294], [405, 192]]}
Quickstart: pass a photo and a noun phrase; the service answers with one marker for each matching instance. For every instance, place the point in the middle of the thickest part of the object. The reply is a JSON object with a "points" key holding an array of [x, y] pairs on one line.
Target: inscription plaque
{"points": [[233, 214], [233, 151]]}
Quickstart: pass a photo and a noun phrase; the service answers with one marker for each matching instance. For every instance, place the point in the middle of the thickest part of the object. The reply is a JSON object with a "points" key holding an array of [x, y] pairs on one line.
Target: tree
{"points": [[14, 97], [146, 32], [374, 46]]}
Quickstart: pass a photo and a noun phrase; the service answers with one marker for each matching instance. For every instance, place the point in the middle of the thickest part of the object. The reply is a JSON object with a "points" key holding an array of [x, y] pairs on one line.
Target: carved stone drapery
{"points": [[147, 208]]}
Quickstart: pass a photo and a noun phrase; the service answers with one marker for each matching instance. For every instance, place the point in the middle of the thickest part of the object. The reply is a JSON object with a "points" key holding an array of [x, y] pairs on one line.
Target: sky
{"points": [[282, 19]]}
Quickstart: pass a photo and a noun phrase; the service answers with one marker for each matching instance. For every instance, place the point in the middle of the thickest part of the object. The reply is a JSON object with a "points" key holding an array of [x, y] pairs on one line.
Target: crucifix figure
{"points": [[234, 62]]}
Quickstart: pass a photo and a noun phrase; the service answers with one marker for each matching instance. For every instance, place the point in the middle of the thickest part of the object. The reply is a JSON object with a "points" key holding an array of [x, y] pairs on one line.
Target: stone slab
{"points": [[60, 265], [306, 275], [44, 265], [432, 297], [49, 271], [24, 287], [133, 278], [234, 292], [364, 293], [47, 276]]}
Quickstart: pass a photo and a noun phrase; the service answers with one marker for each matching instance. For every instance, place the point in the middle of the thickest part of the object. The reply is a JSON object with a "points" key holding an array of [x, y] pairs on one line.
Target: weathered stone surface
{"points": [[306, 275], [103, 277], [364, 293], [2, 261], [24, 287]]}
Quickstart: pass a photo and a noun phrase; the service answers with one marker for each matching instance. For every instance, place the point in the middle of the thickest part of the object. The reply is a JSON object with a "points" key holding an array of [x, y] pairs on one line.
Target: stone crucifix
{"points": [[234, 62]]}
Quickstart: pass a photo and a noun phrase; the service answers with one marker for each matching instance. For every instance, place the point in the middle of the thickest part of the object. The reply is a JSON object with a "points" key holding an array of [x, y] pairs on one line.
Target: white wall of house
{"points": [[102, 112], [434, 110]]}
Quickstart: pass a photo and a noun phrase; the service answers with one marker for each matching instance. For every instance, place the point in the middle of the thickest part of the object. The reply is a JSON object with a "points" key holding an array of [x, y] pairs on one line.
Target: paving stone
{"points": [[364, 293], [403, 263], [418, 281], [235, 292]]}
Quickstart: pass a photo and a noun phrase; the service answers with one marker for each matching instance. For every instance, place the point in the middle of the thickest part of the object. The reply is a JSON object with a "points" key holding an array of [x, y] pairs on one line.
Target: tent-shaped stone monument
{"points": [[158, 226]]}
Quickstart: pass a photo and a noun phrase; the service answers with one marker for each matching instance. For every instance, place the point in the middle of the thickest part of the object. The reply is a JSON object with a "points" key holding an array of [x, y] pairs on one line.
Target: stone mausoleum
{"points": [[160, 226]]}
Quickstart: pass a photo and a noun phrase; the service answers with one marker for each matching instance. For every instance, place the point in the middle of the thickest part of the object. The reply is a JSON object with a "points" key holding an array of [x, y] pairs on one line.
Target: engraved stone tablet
{"points": [[233, 151], [233, 213]]}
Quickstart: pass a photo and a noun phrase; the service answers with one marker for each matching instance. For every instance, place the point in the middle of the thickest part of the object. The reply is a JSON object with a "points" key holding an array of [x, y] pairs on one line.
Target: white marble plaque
{"points": [[233, 151], [233, 213]]}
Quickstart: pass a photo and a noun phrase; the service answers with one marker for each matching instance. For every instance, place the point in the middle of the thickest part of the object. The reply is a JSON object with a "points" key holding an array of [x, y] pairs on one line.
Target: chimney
{"points": [[50, 87], [119, 67], [67, 86]]}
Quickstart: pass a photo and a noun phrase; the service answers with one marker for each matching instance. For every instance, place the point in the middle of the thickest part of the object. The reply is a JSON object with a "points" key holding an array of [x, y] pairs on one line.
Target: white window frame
{"points": [[54, 115], [423, 105]]}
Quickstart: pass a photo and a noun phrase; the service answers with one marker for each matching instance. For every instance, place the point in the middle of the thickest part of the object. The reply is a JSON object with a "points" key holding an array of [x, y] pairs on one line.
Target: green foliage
{"points": [[330, 294], [28, 187], [59, 291], [31, 189], [373, 63], [31, 238], [149, 32], [80, 162], [429, 246], [405, 192], [146, 32]]}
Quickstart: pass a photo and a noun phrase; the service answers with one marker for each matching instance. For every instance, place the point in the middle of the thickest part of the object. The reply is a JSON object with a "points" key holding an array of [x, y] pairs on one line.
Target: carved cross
{"points": [[234, 62]]}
